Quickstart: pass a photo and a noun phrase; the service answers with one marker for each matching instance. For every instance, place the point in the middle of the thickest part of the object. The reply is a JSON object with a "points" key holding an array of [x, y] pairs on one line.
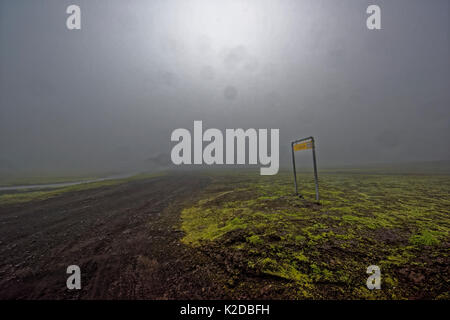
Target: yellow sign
{"points": [[303, 146]]}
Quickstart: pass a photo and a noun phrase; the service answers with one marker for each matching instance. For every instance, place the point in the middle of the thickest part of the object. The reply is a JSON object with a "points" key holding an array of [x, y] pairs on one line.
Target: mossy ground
{"points": [[300, 249]]}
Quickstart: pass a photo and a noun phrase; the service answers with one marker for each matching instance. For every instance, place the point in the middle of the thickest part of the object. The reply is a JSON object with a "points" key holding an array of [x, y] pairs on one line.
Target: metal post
{"points": [[293, 166], [315, 168]]}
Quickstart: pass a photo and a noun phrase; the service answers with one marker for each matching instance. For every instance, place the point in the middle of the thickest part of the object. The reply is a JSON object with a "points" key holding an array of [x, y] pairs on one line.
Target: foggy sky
{"points": [[108, 96]]}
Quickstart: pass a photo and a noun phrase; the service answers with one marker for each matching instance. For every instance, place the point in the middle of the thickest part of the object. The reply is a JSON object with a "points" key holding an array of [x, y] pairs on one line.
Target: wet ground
{"points": [[123, 237]]}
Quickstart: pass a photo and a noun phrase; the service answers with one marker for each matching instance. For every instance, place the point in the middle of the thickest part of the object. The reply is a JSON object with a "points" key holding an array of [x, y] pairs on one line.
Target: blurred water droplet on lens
{"points": [[235, 57], [230, 93]]}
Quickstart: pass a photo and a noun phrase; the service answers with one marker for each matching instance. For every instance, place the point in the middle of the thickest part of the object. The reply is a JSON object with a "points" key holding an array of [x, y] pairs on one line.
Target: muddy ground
{"points": [[123, 237]]}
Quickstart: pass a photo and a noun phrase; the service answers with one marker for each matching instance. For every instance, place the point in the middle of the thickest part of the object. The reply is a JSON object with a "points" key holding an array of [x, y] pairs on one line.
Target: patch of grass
{"points": [[255, 240], [203, 225], [426, 238], [370, 223]]}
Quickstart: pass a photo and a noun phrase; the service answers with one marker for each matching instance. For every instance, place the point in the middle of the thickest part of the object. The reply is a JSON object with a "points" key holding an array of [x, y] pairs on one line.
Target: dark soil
{"points": [[123, 237]]}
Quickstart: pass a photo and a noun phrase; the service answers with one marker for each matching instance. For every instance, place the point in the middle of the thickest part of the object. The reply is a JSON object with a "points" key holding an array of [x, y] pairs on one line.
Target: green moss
{"points": [[299, 256], [255, 240], [426, 238], [202, 224], [362, 220]]}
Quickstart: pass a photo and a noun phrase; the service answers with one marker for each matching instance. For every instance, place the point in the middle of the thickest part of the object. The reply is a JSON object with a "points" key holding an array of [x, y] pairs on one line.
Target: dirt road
{"points": [[123, 237]]}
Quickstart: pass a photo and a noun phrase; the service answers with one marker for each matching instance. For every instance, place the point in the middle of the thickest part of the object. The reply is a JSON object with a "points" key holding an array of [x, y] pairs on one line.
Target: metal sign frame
{"points": [[293, 143]]}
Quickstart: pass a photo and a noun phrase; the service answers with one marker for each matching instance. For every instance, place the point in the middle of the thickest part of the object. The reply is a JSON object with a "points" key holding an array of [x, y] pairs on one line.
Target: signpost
{"points": [[305, 144]]}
